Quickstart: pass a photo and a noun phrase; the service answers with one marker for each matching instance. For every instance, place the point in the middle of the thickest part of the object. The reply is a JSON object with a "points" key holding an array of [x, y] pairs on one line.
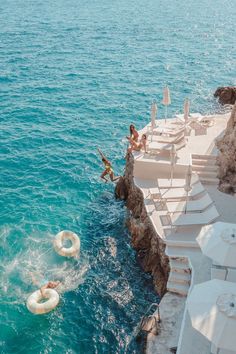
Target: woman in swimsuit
{"points": [[133, 133], [108, 169], [142, 145]]}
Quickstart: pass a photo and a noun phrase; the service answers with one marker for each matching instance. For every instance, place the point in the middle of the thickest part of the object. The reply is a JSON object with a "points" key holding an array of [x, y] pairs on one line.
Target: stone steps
{"points": [[177, 252], [180, 275], [207, 180], [181, 289], [204, 168], [180, 278], [206, 173], [179, 264], [204, 157], [203, 162], [181, 243]]}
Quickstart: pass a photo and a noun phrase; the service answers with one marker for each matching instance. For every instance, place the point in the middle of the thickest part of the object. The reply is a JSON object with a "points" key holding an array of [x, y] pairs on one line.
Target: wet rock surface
{"points": [[149, 246], [227, 156], [227, 95]]}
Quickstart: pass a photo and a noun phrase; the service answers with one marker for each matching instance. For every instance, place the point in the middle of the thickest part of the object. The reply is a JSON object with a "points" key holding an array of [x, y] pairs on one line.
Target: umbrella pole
{"points": [[185, 208], [226, 273], [165, 114]]}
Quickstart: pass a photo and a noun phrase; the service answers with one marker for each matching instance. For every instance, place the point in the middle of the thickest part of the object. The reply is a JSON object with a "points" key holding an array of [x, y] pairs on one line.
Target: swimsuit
{"points": [[108, 169]]}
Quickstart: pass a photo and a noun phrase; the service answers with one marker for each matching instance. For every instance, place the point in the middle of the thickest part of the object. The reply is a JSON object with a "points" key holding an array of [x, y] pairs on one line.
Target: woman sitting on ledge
{"points": [[133, 133], [135, 146]]}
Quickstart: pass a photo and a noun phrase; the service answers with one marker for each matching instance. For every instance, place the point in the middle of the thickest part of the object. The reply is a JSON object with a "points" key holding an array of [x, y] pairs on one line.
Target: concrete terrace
{"points": [[188, 265]]}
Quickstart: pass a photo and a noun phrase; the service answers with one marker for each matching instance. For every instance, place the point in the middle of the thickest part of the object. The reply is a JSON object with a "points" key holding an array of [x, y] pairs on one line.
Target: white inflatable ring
{"points": [[34, 305], [67, 251]]}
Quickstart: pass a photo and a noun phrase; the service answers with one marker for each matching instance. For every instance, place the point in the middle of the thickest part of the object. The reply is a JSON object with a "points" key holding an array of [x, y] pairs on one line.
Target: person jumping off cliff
{"points": [[108, 169]]}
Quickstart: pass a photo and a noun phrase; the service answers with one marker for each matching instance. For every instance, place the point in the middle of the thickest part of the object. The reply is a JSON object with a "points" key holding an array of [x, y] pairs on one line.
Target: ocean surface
{"points": [[73, 76]]}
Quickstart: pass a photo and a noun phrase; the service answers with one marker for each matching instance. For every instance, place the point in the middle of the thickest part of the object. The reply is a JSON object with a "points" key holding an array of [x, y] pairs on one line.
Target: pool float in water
{"points": [[37, 307], [71, 251]]}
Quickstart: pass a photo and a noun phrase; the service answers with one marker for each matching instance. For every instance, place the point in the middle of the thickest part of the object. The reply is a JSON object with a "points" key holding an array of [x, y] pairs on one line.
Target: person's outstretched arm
{"points": [[101, 154]]}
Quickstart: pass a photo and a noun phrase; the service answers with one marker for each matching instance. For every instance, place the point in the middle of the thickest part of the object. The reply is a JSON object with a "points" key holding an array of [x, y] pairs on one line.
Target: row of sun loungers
{"points": [[177, 183], [194, 208], [156, 147], [177, 192], [202, 218], [162, 137]]}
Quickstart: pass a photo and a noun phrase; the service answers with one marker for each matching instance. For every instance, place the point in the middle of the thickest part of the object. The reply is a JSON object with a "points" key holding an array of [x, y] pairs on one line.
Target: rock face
{"points": [[227, 156], [227, 95], [149, 246]]}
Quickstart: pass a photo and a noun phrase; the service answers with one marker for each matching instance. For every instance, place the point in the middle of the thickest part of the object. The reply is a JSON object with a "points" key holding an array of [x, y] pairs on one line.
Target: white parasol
{"points": [[186, 110], [212, 309], [218, 242], [166, 99]]}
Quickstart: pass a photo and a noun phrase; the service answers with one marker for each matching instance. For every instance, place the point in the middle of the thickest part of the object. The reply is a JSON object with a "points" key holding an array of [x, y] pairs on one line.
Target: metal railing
{"points": [[139, 327]]}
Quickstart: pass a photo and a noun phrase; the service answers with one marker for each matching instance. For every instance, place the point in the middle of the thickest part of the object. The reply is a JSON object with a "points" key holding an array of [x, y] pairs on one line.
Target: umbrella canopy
{"points": [[212, 309], [218, 242], [166, 99], [186, 109], [153, 115], [172, 160], [166, 96]]}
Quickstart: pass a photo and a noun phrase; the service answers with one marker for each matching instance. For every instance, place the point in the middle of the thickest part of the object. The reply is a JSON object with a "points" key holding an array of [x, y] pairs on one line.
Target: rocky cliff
{"points": [[227, 95], [149, 246], [227, 156]]}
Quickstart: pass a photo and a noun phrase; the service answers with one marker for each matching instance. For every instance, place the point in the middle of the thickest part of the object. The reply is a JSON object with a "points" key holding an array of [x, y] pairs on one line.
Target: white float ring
{"points": [[34, 305], [67, 251]]}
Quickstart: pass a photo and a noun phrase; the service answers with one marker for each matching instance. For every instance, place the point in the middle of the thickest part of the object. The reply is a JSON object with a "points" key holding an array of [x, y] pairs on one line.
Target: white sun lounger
{"points": [[196, 206], [167, 139], [177, 193], [168, 131], [154, 146], [204, 218], [176, 182]]}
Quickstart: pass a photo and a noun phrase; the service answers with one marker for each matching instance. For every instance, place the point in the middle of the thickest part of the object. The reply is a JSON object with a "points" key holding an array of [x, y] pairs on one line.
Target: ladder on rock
{"points": [[144, 324]]}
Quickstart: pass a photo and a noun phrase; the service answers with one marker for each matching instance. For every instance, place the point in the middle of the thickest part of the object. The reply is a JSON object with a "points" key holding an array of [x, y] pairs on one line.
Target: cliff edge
{"points": [[227, 156], [149, 246], [226, 95]]}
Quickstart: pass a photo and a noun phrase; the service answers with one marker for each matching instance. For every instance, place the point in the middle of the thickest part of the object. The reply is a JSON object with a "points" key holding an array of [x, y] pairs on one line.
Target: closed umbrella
{"points": [[166, 99], [212, 309], [153, 116], [186, 110], [172, 160], [188, 186], [218, 242]]}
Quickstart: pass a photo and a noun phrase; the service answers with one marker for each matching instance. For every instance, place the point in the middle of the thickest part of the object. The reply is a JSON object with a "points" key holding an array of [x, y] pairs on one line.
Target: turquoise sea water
{"points": [[73, 75]]}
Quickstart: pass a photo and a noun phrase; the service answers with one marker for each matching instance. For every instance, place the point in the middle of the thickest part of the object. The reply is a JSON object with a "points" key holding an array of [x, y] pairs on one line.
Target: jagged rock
{"points": [[149, 246], [121, 190], [227, 157], [227, 95]]}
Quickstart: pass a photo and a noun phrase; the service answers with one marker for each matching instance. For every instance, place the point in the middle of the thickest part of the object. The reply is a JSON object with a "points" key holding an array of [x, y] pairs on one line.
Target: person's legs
{"points": [[103, 175], [113, 178]]}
